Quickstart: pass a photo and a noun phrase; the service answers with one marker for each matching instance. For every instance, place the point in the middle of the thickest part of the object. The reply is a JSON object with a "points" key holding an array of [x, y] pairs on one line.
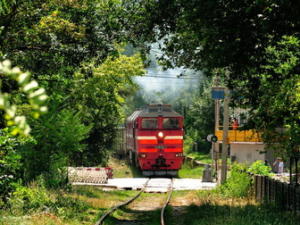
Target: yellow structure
{"points": [[246, 146], [240, 136]]}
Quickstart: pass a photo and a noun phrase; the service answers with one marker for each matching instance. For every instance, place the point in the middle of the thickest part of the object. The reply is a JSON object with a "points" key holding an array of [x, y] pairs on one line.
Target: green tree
{"points": [[233, 36], [277, 112], [199, 117], [59, 137], [6, 6], [206, 35], [99, 98], [72, 50]]}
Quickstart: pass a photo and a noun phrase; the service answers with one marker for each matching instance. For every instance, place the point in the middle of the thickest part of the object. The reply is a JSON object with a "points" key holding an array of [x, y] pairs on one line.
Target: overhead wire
{"points": [[166, 77]]}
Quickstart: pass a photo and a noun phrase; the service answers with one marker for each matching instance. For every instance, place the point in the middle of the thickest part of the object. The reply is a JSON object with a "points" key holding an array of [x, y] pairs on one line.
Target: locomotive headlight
{"points": [[160, 134], [143, 155]]}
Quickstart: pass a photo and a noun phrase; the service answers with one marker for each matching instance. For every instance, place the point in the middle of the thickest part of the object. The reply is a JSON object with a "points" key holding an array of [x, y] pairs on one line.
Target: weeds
{"points": [[208, 213], [187, 171], [238, 184], [259, 167]]}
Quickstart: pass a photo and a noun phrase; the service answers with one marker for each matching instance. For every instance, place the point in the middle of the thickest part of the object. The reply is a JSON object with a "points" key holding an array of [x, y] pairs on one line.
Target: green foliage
{"points": [[59, 137], [188, 144], [187, 171], [202, 157], [35, 197], [258, 167], [238, 184], [10, 161], [6, 6], [57, 36], [25, 199], [199, 119], [99, 99], [246, 39], [71, 49], [69, 208], [279, 94], [220, 34], [234, 212], [36, 98]]}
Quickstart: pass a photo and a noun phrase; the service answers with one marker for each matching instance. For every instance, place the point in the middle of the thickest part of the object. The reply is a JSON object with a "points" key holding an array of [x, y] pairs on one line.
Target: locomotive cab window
{"points": [[171, 123], [149, 123]]}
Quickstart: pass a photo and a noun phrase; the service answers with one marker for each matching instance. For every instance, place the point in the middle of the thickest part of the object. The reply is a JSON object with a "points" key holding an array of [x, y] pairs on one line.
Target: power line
{"points": [[165, 77]]}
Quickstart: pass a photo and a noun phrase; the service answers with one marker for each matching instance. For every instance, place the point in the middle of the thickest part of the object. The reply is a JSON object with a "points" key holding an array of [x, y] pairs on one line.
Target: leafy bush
{"points": [[67, 207], [36, 98], [35, 198], [25, 199], [258, 167], [59, 138], [188, 144], [238, 184], [10, 161]]}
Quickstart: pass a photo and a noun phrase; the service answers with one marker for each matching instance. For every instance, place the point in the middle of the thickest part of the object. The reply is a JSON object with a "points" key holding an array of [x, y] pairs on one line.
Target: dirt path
{"points": [[146, 209]]}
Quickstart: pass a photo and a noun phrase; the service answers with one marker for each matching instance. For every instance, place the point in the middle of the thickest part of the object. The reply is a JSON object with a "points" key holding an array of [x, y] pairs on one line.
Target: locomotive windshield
{"points": [[149, 123], [171, 123]]}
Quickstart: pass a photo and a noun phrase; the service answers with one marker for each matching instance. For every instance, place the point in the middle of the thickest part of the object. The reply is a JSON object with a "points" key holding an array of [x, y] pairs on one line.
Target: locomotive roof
{"points": [[155, 111]]}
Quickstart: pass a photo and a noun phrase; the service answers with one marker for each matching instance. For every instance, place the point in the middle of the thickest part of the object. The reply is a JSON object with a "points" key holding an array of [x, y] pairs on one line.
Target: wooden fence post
{"points": [[255, 187], [267, 186], [297, 198]]}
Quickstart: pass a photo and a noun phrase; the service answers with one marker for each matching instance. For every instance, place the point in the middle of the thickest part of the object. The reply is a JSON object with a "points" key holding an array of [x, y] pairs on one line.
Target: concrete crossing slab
{"points": [[192, 184], [158, 185], [154, 184]]}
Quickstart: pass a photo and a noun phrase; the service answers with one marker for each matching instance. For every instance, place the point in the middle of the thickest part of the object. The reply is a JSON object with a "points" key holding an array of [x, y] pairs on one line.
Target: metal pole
{"points": [[225, 136], [217, 114], [215, 149]]}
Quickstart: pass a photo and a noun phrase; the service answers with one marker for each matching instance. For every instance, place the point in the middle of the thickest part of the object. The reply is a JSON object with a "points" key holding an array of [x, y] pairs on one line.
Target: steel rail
{"points": [[111, 210], [162, 221]]}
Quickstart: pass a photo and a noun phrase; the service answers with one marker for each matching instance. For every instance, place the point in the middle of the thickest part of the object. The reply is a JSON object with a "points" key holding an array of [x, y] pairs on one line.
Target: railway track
{"points": [[162, 214]]}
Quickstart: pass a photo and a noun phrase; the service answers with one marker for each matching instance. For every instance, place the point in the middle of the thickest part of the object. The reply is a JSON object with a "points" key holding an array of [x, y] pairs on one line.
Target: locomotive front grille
{"points": [[160, 162]]}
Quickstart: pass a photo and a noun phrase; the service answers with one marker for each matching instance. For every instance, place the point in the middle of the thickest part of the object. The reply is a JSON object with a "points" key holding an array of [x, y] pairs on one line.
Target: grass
{"points": [[84, 205], [134, 217], [200, 156], [187, 171], [208, 213], [209, 207], [145, 210], [121, 168], [203, 208]]}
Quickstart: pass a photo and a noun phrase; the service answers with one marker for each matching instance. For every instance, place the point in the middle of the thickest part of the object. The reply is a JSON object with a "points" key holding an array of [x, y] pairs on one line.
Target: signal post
{"points": [[219, 93]]}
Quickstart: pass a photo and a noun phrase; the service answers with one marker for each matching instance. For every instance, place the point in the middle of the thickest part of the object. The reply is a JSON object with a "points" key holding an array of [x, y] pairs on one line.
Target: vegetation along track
{"points": [[162, 216]]}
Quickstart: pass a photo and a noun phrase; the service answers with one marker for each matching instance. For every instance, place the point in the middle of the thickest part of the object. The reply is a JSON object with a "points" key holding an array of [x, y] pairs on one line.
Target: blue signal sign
{"points": [[218, 93]]}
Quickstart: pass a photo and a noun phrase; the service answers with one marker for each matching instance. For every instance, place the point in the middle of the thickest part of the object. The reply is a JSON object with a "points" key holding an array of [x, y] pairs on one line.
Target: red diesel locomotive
{"points": [[154, 140]]}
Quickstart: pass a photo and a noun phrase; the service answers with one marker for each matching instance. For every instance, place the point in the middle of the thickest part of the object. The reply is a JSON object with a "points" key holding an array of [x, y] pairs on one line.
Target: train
{"points": [[154, 140]]}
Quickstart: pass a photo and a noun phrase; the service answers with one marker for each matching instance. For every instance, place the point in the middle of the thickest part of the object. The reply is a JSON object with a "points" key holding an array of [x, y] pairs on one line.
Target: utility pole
{"points": [[225, 136]]}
